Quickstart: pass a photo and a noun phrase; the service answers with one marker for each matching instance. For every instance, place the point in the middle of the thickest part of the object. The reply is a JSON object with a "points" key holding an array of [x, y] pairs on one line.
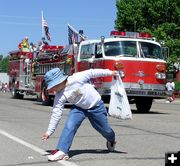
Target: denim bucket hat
{"points": [[54, 77]]}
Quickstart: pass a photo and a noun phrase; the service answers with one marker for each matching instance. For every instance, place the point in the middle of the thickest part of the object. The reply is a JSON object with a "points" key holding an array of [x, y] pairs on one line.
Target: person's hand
{"points": [[45, 136], [114, 73]]}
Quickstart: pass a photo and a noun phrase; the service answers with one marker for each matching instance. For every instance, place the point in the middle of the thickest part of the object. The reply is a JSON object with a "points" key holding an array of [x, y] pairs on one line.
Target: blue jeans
{"points": [[98, 119]]}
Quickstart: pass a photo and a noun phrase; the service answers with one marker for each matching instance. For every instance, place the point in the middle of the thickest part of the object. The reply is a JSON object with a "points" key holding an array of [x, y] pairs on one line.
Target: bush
{"points": [[177, 85]]}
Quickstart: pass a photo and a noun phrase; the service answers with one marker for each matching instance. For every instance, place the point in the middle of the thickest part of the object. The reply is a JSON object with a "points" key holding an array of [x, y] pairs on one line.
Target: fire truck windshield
{"points": [[150, 50], [121, 48], [129, 49]]}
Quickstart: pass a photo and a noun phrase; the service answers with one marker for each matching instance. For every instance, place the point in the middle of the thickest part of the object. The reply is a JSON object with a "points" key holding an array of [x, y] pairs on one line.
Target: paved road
{"points": [[142, 141]]}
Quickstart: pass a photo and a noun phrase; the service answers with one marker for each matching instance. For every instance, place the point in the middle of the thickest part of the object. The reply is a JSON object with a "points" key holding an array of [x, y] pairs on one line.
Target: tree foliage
{"points": [[1, 57], [161, 18], [4, 64]]}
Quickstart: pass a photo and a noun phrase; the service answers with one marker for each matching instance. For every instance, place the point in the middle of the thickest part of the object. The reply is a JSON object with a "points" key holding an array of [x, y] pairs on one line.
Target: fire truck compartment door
{"points": [[83, 65]]}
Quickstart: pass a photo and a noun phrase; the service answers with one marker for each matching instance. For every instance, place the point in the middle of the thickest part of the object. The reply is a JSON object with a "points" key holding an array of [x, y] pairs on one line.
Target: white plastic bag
{"points": [[119, 105]]}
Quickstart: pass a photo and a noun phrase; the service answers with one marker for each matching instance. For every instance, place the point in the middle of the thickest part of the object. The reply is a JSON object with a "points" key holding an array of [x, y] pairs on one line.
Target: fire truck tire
{"points": [[46, 102], [15, 93], [143, 104], [45, 98], [106, 98]]}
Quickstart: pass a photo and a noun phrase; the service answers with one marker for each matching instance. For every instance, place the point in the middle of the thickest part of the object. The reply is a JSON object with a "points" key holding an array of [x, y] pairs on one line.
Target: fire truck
{"points": [[137, 58], [20, 75], [27, 69]]}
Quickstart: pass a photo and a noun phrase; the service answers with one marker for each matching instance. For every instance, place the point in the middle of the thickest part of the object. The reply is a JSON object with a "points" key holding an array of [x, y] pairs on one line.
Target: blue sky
{"points": [[22, 18]]}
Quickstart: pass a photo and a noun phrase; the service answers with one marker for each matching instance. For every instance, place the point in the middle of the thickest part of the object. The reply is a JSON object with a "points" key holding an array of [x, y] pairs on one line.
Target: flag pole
{"points": [[73, 28], [76, 32], [42, 19]]}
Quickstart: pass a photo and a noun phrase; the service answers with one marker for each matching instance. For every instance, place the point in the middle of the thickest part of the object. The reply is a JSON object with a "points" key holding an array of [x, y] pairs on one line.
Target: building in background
{"points": [[4, 78]]}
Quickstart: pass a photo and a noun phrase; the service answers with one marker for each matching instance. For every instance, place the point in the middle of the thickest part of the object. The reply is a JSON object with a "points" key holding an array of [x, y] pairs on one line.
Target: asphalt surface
{"points": [[142, 141]]}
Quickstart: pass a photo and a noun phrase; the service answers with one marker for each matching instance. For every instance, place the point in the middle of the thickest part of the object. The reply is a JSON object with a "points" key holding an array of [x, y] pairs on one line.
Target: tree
{"points": [[4, 64], [1, 57], [158, 17]]}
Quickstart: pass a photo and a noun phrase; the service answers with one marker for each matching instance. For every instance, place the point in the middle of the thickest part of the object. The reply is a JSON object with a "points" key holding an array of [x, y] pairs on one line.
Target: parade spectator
{"points": [[76, 89], [5, 87], [1, 86], [170, 86]]}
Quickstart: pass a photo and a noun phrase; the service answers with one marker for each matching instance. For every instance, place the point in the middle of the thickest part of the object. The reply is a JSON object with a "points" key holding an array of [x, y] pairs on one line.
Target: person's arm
{"points": [[57, 112], [86, 75]]}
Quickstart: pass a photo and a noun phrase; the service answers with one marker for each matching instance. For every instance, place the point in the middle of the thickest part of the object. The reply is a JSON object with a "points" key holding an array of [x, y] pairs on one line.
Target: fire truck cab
{"points": [[137, 58]]}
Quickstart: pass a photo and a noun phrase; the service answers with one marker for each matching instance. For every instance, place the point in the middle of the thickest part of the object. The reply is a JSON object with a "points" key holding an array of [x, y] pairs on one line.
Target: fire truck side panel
{"points": [[14, 73], [26, 82], [38, 83]]}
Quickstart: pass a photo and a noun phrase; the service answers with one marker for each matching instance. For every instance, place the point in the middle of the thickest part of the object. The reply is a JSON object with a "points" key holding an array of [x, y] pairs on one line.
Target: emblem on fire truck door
{"points": [[140, 74]]}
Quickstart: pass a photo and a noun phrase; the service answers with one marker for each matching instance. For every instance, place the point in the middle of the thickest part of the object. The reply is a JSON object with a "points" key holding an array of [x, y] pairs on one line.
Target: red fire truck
{"points": [[27, 69], [20, 77], [136, 56]]}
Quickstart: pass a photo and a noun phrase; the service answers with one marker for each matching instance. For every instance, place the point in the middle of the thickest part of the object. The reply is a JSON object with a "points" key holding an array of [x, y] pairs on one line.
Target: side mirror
{"points": [[98, 51]]}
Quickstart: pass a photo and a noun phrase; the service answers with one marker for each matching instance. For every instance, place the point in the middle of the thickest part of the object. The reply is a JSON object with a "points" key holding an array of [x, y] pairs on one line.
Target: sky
{"points": [[22, 18]]}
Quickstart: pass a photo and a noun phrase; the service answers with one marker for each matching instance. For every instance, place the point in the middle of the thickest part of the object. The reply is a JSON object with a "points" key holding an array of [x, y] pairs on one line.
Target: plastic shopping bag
{"points": [[119, 105]]}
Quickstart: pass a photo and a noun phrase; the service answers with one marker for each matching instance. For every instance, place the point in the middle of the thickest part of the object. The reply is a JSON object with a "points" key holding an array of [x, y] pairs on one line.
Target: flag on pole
{"points": [[72, 35], [46, 28]]}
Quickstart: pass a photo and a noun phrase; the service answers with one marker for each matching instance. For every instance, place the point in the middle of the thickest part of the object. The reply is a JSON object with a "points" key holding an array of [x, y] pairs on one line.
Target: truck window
{"points": [[87, 51], [150, 50], [121, 48]]}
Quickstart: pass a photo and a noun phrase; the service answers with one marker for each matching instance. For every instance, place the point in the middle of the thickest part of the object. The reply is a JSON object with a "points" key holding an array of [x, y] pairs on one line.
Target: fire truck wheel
{"points": [[15, 93], [143, 104], [46, 102], [45, 98]]}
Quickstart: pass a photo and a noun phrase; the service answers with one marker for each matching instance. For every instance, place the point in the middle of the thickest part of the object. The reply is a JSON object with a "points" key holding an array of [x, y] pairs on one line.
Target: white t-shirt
{"points": [[79, 91]]}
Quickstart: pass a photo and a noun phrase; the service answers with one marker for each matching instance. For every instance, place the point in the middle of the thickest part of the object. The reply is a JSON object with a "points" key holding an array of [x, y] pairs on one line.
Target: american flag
{"points": [[46, 29], [72, 35]]}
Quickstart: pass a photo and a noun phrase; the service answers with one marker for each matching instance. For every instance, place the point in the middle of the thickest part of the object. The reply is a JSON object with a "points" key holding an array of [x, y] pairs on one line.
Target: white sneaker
{"points": [[59, 155], [111, 146]]}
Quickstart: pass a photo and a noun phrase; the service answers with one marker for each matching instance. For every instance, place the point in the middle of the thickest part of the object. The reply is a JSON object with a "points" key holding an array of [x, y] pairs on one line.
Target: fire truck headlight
{"points": [[161, 68], [118, 66], [160, 76]]}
